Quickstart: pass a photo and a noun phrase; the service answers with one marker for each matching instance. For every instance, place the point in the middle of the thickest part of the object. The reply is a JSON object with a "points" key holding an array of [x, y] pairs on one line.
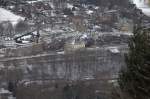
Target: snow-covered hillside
{"points": [[6, 15]]}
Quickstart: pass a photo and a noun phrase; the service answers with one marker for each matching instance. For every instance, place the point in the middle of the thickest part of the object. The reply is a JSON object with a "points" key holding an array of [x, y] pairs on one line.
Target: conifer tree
{"points": [[135, 78]]}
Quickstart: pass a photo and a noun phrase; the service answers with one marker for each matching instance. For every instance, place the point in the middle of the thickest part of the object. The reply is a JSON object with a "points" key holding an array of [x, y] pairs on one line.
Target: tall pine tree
{"points": [[135, 78]]}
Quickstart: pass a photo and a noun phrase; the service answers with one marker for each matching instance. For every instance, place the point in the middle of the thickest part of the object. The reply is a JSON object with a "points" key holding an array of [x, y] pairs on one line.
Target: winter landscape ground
{"points": [[65, 49]]}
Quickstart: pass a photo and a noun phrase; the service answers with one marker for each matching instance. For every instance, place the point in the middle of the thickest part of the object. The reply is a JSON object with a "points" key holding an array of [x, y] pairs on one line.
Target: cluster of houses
{"points": [[44, 26], [39, 20]]}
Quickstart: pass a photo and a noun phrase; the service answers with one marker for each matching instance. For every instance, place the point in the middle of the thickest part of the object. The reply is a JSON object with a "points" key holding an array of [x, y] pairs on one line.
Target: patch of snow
{"points": [[26, 37], [64, 16], [69, 5], [6, 15], [88, 77], [35, 32], [73, 42], [139, 3], [61, 52], [33, 1], [96, 7], [143, 5], [96, 27], [89, 12], [114, 82], [28, 82], [113, 49], [52, 5], [146, 11], [11, 7], [128, 33], [111, 11], [7, 39], [4, 91], [84, 36], [25, 41]]}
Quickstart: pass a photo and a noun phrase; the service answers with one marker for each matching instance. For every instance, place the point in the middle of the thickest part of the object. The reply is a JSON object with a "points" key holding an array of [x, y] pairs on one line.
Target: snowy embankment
{"points": [[143, 5], [6, 15]]}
